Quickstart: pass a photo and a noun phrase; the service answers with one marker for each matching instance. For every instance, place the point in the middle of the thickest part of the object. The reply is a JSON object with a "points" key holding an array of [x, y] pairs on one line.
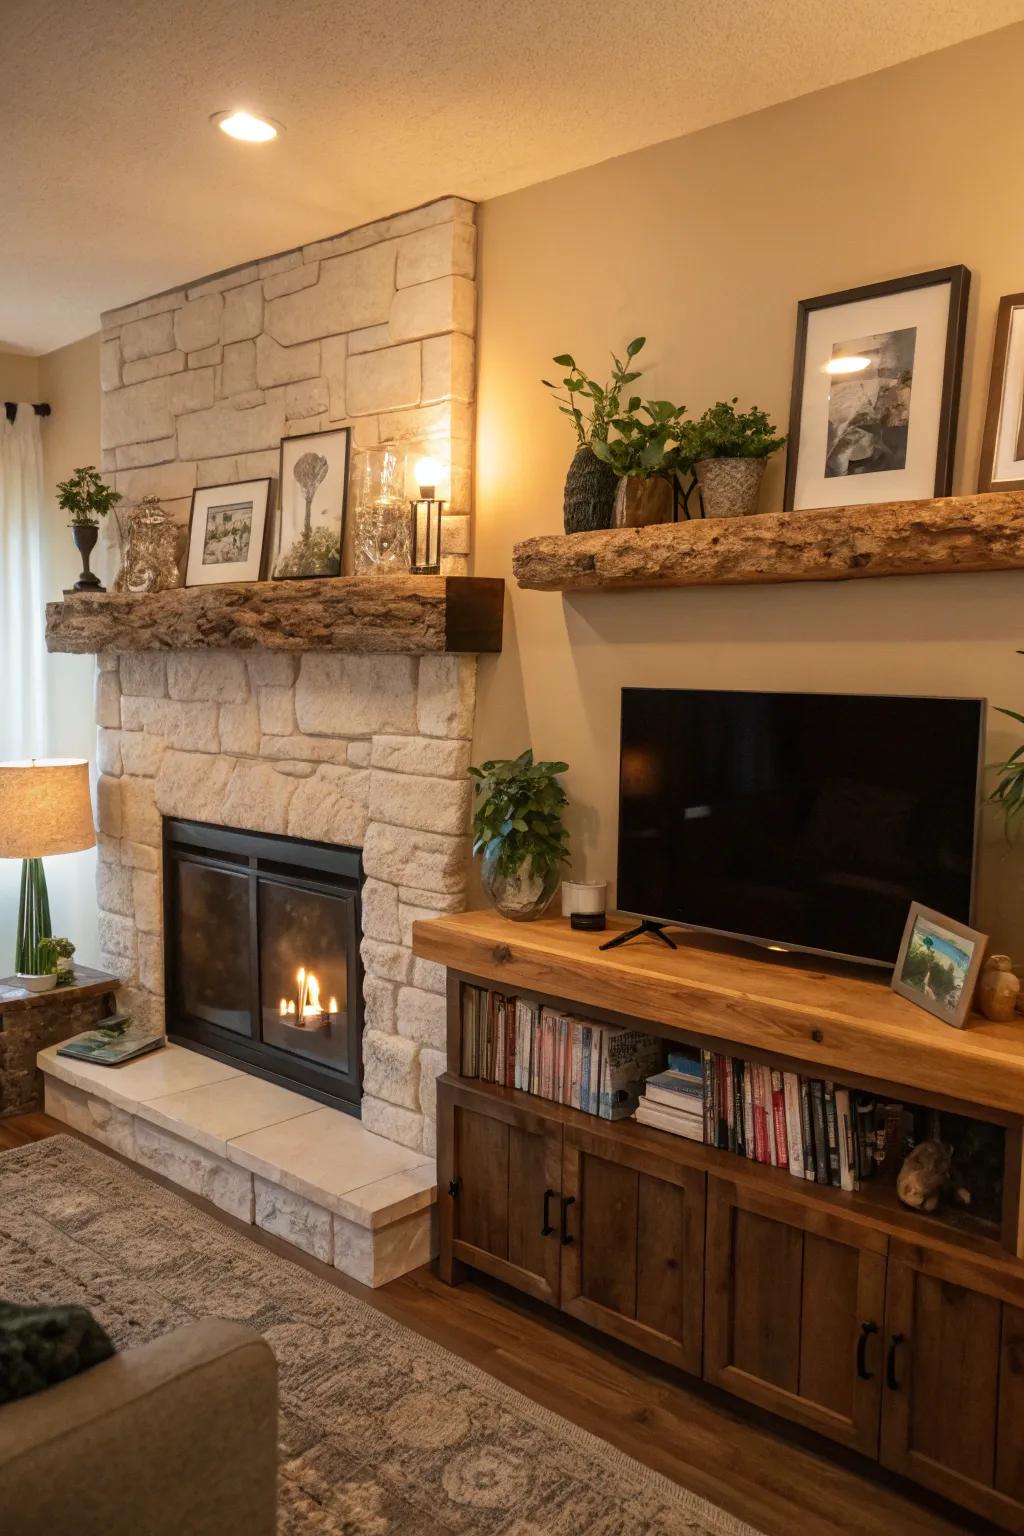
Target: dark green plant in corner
{"points": [[86, 497], [1008, 794], [519, 822], [725, 433]]}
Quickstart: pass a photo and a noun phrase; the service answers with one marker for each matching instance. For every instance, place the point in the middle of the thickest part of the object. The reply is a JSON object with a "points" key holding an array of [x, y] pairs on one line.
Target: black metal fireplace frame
{"points": [[319, 867]]}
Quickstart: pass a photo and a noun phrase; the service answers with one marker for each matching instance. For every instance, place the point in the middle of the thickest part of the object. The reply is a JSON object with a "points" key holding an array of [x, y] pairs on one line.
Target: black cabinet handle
{"points": [[866, 1331], [547, 1229], [567, 1200], [895, 1341]]}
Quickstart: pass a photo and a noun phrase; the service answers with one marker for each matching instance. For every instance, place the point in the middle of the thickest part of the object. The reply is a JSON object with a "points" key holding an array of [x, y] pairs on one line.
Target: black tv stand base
{"points": [[656, 931]]}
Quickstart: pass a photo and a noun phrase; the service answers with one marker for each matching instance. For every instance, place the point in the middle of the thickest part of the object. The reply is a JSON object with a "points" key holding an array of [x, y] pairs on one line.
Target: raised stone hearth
{"points": [[368, 752], [312, 1176]]}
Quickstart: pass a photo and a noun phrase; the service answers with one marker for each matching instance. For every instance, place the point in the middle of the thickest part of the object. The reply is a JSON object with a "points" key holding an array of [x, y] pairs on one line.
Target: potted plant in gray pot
{"points": [[517, 827], [727, 451], [590, 484], [646, 456], [87, 498]]}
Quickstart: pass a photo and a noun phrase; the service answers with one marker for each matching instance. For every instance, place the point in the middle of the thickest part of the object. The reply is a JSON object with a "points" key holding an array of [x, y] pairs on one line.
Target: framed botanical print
{"points": [[226, 530], [1002, 445], [313, 491], [876, 392]]}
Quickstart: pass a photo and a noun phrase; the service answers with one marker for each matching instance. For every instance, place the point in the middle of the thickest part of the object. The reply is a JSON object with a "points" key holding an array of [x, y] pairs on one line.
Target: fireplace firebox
{"points": [[261, 952]]}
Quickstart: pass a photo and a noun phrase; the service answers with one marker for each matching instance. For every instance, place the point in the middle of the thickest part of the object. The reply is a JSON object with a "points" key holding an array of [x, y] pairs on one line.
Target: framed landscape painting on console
{"points": [[313, 492], [1002, 445], [938, 964], [876, 391], [226, 528]]}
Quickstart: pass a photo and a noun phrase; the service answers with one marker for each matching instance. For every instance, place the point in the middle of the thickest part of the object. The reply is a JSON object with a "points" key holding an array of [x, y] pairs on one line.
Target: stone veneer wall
{"points": [[372, 329], [368, 751]]}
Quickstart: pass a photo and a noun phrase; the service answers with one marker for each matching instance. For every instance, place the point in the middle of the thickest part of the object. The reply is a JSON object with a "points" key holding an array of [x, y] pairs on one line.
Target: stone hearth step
{"points": [[311, 1175]]}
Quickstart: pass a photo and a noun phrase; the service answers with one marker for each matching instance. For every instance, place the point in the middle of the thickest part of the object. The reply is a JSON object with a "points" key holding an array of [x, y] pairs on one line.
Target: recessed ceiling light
{"points": [[849, 364], [246, 126]]}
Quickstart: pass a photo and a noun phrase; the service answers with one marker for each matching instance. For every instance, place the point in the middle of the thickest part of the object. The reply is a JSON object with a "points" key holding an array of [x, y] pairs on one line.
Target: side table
{"points": [[30, 1021]]}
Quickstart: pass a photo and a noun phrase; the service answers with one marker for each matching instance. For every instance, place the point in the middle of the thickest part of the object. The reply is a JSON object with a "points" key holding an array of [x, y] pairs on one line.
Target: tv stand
{"points": [[646, 925]]}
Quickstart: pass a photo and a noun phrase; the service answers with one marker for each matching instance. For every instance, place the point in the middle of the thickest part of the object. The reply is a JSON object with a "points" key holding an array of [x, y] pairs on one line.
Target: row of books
{"points": [[597, 1068], [814, 1128]]}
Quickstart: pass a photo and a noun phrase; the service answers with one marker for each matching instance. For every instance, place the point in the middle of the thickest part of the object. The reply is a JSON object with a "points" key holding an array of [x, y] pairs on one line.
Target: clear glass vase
{"points": [[520, 894], [380, 541]]}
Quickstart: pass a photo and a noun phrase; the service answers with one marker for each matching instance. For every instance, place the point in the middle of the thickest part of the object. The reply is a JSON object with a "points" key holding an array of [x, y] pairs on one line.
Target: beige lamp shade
{"points": [[45, 808]]}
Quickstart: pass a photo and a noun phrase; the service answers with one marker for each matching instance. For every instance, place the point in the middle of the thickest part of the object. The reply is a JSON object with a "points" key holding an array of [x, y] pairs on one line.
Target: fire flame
{"points": [[309, 1008]]}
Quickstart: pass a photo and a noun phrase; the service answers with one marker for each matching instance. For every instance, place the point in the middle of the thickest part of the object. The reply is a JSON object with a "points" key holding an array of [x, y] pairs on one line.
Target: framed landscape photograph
{"points": [[938, 965], [1002, 444], [313, 493], [226, 530], [876, 392]]}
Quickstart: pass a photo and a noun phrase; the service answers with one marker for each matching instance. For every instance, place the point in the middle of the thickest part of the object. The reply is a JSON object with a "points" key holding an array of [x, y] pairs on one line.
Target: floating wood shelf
{"points": [[400, 615], [899, 538]]}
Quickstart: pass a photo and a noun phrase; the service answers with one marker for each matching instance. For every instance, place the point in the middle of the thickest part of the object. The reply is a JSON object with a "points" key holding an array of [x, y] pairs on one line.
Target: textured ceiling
{"points": [[114, 186]]}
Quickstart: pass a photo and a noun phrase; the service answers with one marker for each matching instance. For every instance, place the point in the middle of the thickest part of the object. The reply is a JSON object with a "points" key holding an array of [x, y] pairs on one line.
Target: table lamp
{"points": [[44, 808]]}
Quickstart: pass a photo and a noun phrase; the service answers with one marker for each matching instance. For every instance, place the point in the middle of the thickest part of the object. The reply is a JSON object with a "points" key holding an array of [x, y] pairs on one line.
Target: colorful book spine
{"points": [[832, 1133], [749, 1146], [807, 1130], [820, 1133], [779, 1121], [844, 1134], [794, 1130]]}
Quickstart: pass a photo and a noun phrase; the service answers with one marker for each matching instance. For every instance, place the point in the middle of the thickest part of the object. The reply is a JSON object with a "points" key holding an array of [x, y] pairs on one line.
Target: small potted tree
{"points": [[518, 829], [86, 498], [590, 484], [727, 451]]}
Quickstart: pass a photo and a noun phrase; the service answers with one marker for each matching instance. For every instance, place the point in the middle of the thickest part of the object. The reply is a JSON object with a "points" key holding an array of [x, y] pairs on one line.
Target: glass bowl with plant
{"points": [[86, 498], [727, 451], [593, 409], [518, 830]]}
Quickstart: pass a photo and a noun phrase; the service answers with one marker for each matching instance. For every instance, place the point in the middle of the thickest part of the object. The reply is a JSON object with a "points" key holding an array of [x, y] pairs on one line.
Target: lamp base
{"points": [[33, 916]]}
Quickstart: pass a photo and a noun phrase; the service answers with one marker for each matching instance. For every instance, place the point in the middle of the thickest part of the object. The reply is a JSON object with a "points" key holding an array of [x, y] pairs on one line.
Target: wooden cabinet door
{"points": [[953, 1416], [793, 1311], [498, 1188], [632, 1244]]}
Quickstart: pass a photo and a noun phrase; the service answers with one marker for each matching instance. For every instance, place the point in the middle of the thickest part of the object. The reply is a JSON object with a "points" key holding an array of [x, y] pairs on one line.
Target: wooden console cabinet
{"points": [[896, 1334]]}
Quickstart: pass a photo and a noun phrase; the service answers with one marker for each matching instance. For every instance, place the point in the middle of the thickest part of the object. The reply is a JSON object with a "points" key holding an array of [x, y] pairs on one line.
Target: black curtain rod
{"points": [[11, 408]]}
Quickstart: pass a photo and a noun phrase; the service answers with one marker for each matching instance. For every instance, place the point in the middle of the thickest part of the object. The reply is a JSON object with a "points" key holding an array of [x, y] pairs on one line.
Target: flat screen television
{"points": [[807, 820]]}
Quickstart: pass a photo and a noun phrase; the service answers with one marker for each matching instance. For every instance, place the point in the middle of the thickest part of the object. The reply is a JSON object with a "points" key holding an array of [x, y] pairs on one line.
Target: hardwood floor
{"points": [[742, 1465]]}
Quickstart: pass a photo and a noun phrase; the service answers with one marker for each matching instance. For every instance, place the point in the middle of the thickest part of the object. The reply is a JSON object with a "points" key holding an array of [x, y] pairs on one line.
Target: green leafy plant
{"points": [[86, 497], [645, 447], [520, 818], [725, 433], [1008, 794], [594, 407]]}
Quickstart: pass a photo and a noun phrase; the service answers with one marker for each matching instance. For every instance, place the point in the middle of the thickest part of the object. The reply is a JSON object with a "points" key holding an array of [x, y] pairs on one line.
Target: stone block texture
{"points": [[366, 752], [372, 328]]}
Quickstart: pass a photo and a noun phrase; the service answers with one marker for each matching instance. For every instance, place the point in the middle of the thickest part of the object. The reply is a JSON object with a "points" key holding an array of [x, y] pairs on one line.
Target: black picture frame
{"points": [[286, 443], [205, 491], [958, 278], [997, 389]]}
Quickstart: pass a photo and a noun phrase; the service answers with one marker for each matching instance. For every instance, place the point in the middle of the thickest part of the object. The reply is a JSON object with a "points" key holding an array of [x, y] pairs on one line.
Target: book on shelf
{"points": [[674, 1121]]}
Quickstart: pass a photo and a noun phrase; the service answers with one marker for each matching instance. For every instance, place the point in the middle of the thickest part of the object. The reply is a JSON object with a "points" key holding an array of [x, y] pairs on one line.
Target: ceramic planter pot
{"points": [[729, 487], [33, 983], [589, 492], [638, 503], [85, 536], [521, 895]]}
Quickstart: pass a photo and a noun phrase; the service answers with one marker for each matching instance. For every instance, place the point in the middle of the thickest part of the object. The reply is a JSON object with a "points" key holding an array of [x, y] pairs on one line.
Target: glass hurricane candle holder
{"points": [[381, 534]]}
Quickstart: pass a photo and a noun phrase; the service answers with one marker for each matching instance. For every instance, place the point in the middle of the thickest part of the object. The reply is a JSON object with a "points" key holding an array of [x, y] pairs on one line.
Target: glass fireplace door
{"points": [[261, 947]]}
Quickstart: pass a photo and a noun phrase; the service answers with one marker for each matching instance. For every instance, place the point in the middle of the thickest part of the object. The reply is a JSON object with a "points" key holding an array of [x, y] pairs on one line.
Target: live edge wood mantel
{"points": [[844, 1021], [899, 538], [400, 615]]}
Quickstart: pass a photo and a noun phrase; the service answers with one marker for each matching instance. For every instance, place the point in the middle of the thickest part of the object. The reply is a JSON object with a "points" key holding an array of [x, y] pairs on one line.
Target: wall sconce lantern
{"points": [[425, 513]]}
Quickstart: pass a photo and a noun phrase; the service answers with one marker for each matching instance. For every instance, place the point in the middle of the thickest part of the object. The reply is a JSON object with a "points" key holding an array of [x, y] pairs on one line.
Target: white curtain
{"points": [[22, 652]]}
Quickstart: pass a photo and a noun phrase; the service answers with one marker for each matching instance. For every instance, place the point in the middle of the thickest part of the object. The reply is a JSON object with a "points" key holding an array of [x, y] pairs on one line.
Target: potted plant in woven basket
{"points": [[727, 451], [594, 409], [517, 827]]}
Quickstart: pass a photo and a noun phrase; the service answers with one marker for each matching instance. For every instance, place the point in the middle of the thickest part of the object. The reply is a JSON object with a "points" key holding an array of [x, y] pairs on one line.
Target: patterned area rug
{"points": [[382, 1432]]}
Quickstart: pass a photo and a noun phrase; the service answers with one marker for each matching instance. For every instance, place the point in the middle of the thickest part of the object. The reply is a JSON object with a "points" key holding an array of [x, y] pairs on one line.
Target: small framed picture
{"points": [[1002, 444], [226, 529], [938, 965], [313, 492], [876, 392]]}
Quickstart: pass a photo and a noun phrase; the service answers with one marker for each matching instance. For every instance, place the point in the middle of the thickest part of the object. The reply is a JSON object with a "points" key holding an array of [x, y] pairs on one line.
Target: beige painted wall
{"points": [[705, 245], [69, 380], [19, 377]]}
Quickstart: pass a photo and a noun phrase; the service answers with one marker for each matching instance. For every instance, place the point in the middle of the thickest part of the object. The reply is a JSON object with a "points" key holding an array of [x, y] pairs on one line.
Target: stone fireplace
{"points": [[364, 753]]}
